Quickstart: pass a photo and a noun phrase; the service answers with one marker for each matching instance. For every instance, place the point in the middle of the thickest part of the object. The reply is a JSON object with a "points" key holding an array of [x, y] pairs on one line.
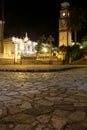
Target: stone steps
{"points": [[29, 61]]}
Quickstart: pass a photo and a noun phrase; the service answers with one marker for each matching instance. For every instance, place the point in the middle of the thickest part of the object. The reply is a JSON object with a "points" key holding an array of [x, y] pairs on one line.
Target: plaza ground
{"points": [[50, 97]]}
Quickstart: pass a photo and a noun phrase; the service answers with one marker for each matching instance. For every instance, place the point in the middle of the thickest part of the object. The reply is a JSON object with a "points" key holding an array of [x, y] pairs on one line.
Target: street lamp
{"points": [[15, 41], [21, 49], [45, 51]]}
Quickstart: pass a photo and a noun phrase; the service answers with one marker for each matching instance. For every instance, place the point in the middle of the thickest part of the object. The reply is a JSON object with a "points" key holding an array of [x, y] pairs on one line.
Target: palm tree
{"points": [[77, 21], [84, 41], [50, 40], [42, 39]]}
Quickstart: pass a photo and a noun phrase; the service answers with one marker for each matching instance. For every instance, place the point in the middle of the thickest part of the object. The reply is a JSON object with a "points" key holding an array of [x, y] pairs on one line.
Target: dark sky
{"points": [[36, 17]]}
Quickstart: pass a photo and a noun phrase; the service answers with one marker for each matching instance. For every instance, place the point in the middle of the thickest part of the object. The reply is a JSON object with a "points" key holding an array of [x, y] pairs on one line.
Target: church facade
{"points": [[23, 46]]}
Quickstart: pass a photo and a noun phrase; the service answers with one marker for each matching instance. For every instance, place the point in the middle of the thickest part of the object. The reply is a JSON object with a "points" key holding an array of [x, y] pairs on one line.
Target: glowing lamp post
{"points": [[45, 51], [15, 41], [22, 49]]}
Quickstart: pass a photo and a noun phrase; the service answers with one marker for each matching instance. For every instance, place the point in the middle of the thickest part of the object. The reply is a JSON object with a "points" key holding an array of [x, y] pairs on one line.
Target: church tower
{"points": [[64, 31]]}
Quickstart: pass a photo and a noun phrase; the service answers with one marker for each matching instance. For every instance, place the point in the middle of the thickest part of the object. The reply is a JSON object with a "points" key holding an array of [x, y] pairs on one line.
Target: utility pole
{"points": [[2, 28]]}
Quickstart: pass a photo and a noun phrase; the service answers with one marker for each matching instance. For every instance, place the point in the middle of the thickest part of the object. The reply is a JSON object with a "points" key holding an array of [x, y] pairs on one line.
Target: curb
{"points": [[37, 70]]}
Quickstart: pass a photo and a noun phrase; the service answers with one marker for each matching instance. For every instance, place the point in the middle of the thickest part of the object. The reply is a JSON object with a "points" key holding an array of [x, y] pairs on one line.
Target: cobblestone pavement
{"points": [[44, 101]]}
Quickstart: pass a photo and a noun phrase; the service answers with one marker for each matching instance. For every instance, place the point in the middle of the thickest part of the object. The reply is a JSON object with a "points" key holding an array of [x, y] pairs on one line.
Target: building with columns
{"points": [[24, 46]]}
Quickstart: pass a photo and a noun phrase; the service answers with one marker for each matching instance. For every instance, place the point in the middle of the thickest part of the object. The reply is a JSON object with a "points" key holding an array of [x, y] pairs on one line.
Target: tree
{"points": [[50, 40], [47, 41], [84, 41], [77, 21], [42, 39]]}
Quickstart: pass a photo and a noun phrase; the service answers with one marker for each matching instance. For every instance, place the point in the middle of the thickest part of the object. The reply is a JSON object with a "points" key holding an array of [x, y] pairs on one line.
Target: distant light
{"points": [[17, 40], [81, 47], [35, 43], [26, 38], [20, 41], [68, 14], [45, 49], [13, 39], [64, 14], [73, 43], [21, 47]]}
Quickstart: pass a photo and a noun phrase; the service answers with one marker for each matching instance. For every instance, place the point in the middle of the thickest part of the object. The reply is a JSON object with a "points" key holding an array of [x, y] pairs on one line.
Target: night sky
{"points": [[36, 17]]}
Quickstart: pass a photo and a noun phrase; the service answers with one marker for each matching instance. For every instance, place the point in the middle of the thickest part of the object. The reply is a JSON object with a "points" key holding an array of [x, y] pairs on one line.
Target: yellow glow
{"points": [[63, 14], [16, 40], [21, 47], [28, 48], [45, 49], [13, 39], [20, 41], [26, 38]]}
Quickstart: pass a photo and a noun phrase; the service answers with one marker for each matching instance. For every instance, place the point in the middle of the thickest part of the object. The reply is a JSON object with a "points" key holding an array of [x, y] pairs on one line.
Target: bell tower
{"points": [[64, 31]]}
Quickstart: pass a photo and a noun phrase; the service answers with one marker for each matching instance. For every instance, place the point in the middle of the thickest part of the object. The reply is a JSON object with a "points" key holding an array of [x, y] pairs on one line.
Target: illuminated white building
{"points": [[24, 46]]}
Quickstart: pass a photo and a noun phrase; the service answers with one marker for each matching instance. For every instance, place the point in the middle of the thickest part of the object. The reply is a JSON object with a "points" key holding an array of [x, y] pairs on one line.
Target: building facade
{"points": [[23, 46]]}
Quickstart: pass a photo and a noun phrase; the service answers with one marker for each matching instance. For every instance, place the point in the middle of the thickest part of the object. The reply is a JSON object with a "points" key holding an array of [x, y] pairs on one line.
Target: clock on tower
{"points": [[64, 13]]}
